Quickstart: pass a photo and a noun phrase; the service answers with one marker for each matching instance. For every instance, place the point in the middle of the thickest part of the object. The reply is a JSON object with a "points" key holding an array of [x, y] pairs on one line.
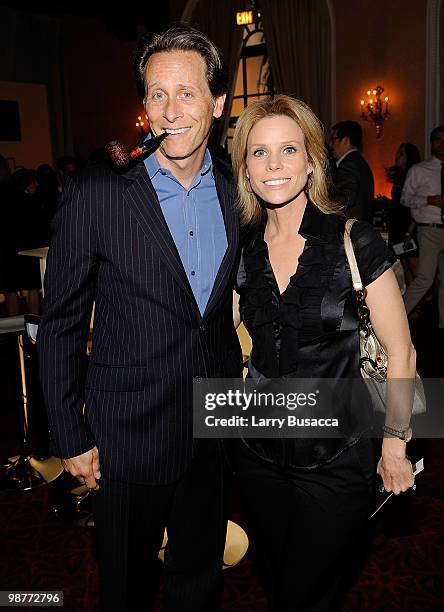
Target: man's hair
{"points": [[22, 178], [182, 38], [439, 128], [250, 208], [350, 130], [66, 160]]}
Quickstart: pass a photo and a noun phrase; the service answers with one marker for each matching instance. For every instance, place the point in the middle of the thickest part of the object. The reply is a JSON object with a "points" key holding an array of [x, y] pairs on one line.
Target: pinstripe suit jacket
{"points": [[111, 245]]}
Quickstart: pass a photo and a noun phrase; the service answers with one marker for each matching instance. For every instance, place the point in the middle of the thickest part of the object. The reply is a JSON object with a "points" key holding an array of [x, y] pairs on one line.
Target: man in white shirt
{"points": [[424, 193]]}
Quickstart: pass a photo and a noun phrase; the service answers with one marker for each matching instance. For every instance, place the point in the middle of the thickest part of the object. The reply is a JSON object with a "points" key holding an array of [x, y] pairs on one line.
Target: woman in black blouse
{"points": [[309, 499]]}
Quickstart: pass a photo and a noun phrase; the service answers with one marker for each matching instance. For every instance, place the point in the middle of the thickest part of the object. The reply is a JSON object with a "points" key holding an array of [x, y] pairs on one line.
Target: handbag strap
{"points": [[360, 291], [351, 258]]}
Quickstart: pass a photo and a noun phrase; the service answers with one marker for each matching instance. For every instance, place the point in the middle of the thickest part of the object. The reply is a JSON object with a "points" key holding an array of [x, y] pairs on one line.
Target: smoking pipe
{"points": [[122, 158]]}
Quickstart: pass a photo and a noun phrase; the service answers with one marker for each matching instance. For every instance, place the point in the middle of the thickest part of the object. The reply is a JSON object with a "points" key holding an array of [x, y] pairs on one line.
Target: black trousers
{"points": [[307, 523], [130, 521]]}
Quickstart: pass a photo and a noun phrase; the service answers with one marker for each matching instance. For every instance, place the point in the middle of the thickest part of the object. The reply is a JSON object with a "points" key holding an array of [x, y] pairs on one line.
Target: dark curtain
{"points": [[217, 19], [31, 52], [298, 37]]}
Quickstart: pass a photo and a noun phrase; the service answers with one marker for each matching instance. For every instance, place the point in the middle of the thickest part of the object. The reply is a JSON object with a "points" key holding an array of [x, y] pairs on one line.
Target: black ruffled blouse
{"points": [[311, 329]]}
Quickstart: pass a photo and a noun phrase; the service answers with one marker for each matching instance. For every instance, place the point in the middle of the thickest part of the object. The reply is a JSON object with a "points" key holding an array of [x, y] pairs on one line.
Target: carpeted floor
{"points": [[402, 571]]}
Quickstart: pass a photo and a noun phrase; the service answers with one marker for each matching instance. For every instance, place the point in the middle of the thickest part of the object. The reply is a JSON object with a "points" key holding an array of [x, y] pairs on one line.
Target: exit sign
{"points": [[244, 17]]}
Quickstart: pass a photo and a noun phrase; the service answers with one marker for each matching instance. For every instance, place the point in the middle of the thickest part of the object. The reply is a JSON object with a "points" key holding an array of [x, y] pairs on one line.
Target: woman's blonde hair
{"points": [[249, 206]]}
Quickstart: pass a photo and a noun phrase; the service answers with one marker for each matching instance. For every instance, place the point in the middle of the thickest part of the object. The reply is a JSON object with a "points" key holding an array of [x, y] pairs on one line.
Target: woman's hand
{"points": [[389, 320], [394, 467]]}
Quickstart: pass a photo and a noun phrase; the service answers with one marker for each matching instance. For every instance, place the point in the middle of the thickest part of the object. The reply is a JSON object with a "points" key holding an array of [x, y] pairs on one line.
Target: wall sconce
{"points": [[376, 109], [140, 125]]}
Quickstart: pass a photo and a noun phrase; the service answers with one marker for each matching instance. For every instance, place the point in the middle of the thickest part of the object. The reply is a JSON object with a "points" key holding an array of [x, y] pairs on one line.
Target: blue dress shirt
{"points": [[194, 218]]}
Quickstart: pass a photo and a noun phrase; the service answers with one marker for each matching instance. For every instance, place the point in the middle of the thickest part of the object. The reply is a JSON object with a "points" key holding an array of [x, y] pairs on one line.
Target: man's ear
{"points": [[219, 106]]}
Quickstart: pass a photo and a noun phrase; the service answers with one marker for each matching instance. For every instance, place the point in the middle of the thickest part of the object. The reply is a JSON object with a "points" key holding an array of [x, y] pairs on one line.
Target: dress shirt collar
{"points": [[345, 155], [315, 225], [153, 167]]}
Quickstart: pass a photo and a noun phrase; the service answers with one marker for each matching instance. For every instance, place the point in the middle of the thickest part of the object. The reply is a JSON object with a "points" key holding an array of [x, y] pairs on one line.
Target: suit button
{"points": [[203, 328]]}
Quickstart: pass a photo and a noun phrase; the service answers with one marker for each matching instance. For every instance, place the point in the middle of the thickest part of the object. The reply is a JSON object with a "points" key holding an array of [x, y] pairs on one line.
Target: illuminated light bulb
{"points": [[139, 118], [375, 108]]}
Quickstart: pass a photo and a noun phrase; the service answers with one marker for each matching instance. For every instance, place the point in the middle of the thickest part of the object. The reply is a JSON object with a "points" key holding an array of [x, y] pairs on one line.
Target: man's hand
{"points": [[85, 467], [435, 200]]}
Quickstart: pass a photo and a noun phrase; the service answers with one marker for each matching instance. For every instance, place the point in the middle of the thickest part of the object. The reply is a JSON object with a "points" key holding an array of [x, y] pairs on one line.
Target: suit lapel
{"points": [[226, 194], [143, 203]]}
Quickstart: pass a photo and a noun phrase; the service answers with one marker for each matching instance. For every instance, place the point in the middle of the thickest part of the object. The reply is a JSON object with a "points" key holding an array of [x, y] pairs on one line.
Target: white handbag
{"points": [[373, 359]]}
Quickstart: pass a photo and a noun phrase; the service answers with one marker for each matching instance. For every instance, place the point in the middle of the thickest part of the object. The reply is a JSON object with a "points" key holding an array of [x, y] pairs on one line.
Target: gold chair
{"points": [[25, 471]]}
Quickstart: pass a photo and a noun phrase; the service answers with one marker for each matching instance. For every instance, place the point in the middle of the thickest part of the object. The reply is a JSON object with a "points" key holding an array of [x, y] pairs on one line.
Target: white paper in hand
{"points": [[417, 468]]}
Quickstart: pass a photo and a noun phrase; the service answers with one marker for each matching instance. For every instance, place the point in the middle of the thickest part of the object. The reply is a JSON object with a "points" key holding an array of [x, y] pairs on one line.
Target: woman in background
{"points": [[309, 499], [401, 225]]}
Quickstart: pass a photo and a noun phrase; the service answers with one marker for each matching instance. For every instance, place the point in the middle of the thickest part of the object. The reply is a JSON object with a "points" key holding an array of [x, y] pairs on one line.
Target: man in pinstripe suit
{"points": [[155, 248]]}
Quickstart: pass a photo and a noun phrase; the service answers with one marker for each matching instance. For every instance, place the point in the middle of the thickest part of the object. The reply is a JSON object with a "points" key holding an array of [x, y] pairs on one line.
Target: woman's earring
{"points": [[309, 183]]}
